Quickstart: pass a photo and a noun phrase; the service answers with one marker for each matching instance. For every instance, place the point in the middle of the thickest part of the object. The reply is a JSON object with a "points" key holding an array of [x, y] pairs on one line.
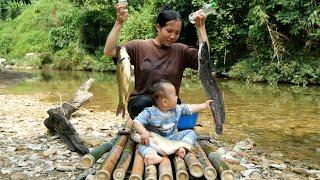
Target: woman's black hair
{"points": [[167, 14]]}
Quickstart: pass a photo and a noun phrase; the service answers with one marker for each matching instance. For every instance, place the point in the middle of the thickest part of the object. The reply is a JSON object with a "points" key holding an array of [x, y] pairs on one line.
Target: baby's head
{"points": [[163, 94]]}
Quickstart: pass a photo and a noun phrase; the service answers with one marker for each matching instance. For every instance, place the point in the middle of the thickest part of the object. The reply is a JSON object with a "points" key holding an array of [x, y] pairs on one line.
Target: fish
{"points": [[210, 86], [124, 78], [162, 145]]}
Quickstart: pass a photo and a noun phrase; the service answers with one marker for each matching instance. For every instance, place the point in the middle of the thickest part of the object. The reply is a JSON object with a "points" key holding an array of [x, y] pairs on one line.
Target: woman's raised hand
{"points": [[122, 12]]}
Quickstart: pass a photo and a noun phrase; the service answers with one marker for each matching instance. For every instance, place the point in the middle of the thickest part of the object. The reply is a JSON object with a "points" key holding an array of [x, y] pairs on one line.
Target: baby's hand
{"points": [[145, 138], [208, 102]]}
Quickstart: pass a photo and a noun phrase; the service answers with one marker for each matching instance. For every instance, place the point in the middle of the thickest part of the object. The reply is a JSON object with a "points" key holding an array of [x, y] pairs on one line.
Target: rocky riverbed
{"points": [[28, 151]]}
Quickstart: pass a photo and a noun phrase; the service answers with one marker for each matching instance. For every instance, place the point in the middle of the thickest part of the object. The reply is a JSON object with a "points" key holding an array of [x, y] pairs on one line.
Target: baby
{"points": [[162, 118]]}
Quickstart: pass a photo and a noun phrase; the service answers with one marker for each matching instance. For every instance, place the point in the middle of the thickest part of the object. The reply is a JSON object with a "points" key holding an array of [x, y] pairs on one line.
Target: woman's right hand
{"points": [[145, 138], [122, 12]]}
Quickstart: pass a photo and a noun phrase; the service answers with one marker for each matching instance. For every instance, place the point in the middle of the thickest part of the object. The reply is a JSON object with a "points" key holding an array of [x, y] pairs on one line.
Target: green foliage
{"points": [[66, 29], [299, 72], [272, 41], [140, 24]]}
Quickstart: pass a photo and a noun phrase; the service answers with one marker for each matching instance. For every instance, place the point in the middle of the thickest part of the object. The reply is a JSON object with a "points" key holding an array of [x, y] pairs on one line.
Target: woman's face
{"points": [[169, 34]]}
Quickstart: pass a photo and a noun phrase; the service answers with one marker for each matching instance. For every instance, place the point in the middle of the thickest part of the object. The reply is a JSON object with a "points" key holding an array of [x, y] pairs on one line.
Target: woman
{"points": [[158, 58]]}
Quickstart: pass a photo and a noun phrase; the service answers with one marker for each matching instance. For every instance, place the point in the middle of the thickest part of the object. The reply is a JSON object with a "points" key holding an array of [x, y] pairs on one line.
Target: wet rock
{"points": [[300, 171], [278, 166], [276, 154], [52, 150], [248, 172], [317, 150], [255, 176], [65, 168], [243, 145], [18, 176]]}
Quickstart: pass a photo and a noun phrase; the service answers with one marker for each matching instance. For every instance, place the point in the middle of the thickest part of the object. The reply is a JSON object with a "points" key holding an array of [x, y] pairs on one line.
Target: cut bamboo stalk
{"points": [[124, 162], [150, 172], [138, 166], [88, 159], [209, 171], [221, 167], [180, 168], [193, 164], [165, 169], [112, 158]]}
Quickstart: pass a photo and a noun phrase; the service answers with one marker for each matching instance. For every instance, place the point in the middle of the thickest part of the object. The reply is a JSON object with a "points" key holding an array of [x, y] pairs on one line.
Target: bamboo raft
{"points": [[122, 152]]}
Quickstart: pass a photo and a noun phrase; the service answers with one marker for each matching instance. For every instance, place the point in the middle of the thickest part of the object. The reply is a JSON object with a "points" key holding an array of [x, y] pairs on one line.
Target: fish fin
{"points": [[121, 110]]}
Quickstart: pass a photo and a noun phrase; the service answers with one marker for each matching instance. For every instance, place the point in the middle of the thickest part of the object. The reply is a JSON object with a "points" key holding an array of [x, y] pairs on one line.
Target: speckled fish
{"points": [[163, 145], [123, 78], [210, 86]]}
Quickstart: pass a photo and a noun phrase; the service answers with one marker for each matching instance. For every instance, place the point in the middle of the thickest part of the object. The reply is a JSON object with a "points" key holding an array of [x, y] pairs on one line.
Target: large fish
{"points": [[210, 86], [163, 145], [123, 78]]}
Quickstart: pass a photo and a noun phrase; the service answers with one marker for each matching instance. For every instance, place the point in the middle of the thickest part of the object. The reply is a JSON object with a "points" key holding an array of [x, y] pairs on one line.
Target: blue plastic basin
{"points": [[187, 121]]}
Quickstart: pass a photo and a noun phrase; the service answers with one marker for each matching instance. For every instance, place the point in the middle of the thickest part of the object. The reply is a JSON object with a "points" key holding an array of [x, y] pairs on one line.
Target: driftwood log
{"points": [[58, 120]]}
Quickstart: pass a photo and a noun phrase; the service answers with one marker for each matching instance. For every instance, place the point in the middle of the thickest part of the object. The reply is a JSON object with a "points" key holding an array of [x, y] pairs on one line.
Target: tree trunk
{"points": [[165, 170], [195, 168], [58, 120], [209, 171]]}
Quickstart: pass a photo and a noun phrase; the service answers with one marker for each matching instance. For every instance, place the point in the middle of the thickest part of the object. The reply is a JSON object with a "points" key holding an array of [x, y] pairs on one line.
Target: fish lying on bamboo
{"points": [[123, 78], [210, 86], [162, 145]]}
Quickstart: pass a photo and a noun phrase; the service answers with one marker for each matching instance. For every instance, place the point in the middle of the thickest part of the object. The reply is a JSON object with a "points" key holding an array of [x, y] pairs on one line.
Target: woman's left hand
{"points": [[200, 19]]}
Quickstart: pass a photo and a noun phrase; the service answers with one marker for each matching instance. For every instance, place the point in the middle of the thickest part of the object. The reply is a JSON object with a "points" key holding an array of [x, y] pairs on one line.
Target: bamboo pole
{"points": [[88, 159], [165, 169], [138, 166], [180, 168], [194, 166], [124, 162], [150, 172], [221, 167], [111, 160], [209, 171]]}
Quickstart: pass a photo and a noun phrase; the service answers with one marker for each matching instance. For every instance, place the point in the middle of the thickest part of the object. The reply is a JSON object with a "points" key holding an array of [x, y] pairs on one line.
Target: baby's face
{"points": [[171, 96]]}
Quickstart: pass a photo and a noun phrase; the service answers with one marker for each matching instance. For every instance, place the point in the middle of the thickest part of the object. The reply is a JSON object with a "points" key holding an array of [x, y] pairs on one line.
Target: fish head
{"points": [[123, 54]]}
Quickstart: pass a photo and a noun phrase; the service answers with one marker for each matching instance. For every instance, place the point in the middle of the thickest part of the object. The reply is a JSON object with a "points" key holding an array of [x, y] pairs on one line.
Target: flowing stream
{"points": [[284, 119]]}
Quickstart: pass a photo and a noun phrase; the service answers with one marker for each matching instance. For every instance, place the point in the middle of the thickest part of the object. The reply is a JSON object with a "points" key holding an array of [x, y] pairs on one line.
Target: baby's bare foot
{"points": [[181, 152], [152, 158]]}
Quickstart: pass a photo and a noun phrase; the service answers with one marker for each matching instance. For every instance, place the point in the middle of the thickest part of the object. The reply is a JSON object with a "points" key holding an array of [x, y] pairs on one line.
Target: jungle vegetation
{"points": [[274, 41]]}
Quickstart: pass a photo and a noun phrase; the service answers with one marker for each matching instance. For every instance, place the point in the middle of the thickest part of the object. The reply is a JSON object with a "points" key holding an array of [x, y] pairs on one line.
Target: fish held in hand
{"points": [[163, 145], [210, 86], [123, 78]]}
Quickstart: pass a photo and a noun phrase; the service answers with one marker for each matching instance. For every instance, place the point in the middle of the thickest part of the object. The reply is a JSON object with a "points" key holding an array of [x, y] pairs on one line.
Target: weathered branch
{"points": [[58, 120]]}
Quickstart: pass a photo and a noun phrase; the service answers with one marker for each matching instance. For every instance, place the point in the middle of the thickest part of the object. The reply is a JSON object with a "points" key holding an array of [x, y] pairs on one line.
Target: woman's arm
{"points": [[111, 42], [201, 27]]}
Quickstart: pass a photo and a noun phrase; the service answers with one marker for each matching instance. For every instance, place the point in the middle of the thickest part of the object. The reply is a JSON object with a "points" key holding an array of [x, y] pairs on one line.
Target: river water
{"points": [[281, 119]]}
